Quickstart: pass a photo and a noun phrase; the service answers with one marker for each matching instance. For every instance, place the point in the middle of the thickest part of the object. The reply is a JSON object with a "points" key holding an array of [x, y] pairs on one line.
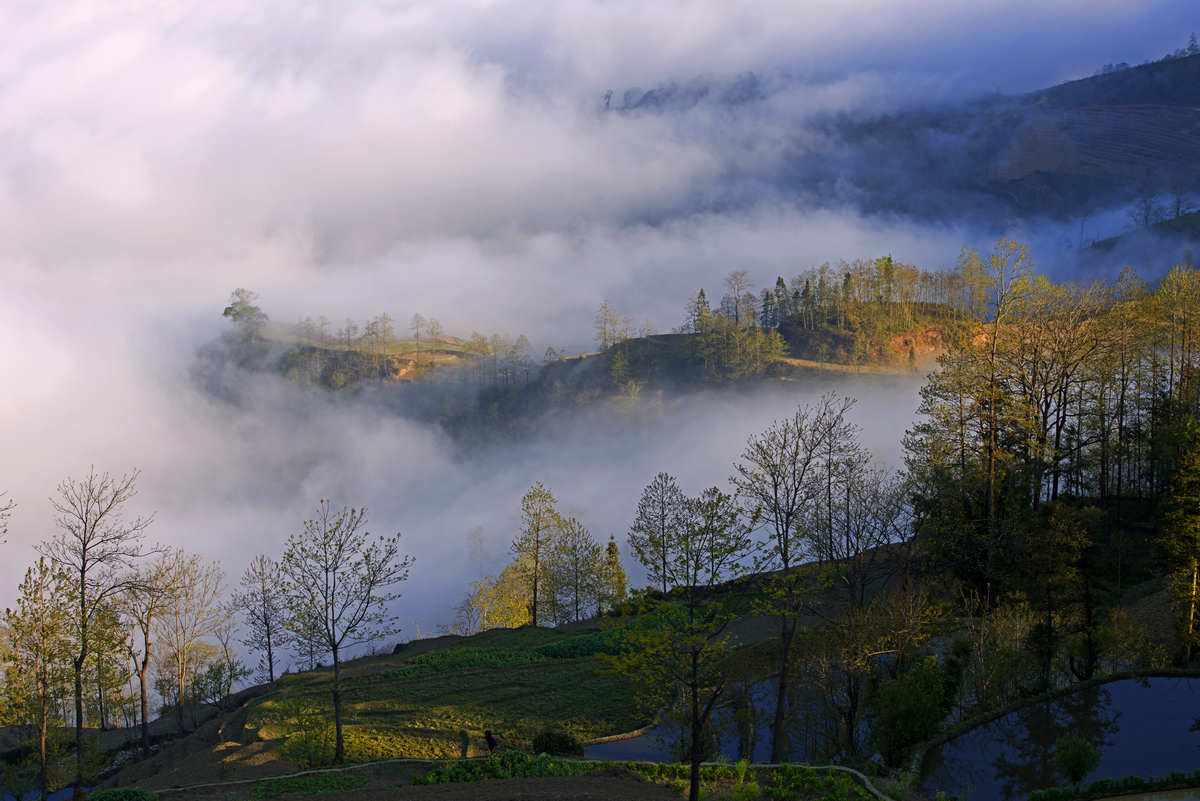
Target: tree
{"points": [[417, 325], [6, 509], [95, 544], [1181, 541], [433, 328], [193, 613], [534, 544], [697, 312], [656, 525], [339, 580], [1076, 757], [245, 313], [578, 568], [610, 328], [737, 286], [148, 596], [39, 649], [260, 600], [615, 583], [774, 483], [502, 602], [681, 650], [108, 663]]}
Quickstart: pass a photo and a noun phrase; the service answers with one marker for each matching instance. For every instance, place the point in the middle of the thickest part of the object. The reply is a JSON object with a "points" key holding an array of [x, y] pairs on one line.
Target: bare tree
{"points": [[774, 484], [97, 546], [338, 577], [194, 612], [260, 599], [656, 526], [148, 597], [737, 285]]}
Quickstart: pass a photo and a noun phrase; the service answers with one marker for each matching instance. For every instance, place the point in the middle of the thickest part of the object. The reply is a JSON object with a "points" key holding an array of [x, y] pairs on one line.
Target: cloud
{"points": [[445, 157]]}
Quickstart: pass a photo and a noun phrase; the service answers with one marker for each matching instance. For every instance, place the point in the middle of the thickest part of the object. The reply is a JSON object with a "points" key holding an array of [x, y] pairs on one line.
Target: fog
{"points": [[453, 159]]}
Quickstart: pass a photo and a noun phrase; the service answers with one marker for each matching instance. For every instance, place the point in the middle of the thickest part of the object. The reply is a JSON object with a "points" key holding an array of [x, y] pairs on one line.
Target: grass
{"points": [[739, 782], [315, 784], [516, 683]]}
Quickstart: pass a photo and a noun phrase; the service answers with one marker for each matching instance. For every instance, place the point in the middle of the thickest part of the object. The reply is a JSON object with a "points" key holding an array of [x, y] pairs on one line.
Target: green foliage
{"points": [[462, 658], [910, 709], [1112, 787], [611, 642], [739, 782], [515, 682], [556, 743], [122, 794], [506, 765], [795, 783], [312, 784], [1076, 757]]}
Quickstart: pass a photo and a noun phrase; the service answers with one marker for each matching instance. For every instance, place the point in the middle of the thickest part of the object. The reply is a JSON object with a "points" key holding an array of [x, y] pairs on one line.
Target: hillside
{"points": [[1064, 151], [1182, 232]]}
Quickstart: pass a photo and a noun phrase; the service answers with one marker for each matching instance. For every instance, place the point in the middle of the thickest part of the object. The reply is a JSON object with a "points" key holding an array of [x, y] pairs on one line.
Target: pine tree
{"points": [[615, 581], [534, 544]]}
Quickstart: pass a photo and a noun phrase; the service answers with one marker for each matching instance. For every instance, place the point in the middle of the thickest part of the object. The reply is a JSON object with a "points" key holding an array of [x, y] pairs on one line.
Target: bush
{"points": [[910, 709], [556, 743], [122, 794], [1076, 757]]}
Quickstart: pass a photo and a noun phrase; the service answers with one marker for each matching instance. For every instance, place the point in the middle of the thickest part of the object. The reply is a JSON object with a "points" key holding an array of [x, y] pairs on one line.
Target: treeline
{"points": [[1052, 442], [843, 312], [106, 622], [559, 574], [318, 355]]}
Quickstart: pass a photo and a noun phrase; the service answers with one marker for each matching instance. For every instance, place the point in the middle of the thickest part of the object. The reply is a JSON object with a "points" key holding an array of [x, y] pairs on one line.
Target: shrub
{"points": [[910, 709], [122, 794], [1076, 757], [556, 743]]}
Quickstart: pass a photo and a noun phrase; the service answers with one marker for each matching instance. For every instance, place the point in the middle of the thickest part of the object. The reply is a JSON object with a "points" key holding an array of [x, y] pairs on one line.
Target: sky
{"points": [[452, 158]]}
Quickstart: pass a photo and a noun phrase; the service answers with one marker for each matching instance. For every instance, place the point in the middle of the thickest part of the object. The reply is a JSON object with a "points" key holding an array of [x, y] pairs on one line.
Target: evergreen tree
{"points": [[615, 581], [534, 545], [767, 315]]}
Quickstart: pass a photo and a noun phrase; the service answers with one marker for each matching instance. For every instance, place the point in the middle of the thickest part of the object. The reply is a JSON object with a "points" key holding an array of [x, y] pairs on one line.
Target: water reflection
{"points": [[1140, 728]]}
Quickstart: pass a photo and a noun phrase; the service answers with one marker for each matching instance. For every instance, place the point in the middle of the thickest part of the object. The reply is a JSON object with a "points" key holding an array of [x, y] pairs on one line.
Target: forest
{"points": [[1042, 532]]}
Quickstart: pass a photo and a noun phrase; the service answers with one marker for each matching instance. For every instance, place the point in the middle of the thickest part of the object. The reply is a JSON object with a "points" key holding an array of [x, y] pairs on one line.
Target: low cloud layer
{"points": [[448, 158]]}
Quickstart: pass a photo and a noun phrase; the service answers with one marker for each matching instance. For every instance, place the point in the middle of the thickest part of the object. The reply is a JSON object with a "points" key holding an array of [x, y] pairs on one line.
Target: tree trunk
{"points": [[180, 678], [339, 748], [779, 743], [43, 762], [145, 703], [696, 751], [76, 785], [1191, 624]]}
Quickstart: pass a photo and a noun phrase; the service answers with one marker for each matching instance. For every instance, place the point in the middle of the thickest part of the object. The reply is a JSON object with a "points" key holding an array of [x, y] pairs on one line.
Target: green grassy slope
{"points": [[416, 703]]}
